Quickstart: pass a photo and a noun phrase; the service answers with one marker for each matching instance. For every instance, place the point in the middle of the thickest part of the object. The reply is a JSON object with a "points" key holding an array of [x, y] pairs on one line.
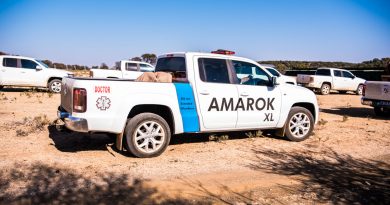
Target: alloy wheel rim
{"points": [[149, 137], [56, 87], [299, 125]]}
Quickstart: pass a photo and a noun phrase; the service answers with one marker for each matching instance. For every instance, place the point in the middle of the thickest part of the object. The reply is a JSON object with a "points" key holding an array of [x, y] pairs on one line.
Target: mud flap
{"points": [[119, 141], [280, 132]]}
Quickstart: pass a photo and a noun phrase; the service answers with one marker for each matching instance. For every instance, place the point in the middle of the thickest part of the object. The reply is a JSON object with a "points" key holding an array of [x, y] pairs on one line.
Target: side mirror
{"points": [[38, 67], [274, 80]]}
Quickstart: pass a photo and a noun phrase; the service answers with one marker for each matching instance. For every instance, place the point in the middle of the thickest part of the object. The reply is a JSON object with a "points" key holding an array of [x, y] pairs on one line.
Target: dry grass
{"points": [[31, 125]]}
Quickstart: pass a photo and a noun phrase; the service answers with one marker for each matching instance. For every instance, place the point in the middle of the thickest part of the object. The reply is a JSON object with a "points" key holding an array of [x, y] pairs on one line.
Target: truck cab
{"points": [[124, 69]]}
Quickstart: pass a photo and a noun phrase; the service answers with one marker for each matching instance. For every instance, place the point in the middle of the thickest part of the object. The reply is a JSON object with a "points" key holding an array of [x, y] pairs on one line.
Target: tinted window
{"points": [[10, 62], [272, 71], [144, 67], [348, 74], [213, 70], [131, 67], [261, 78], [337, 73], [28, 64], [171, 64], [325, 72], [242, 68]]}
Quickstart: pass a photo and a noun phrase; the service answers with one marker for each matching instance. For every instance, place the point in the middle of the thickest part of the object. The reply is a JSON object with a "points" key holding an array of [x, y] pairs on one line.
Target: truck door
{"points": [[338, 80], [29, 75], [131, 71], [216, 93], [10, 71], [349, 79], [259, 103]]}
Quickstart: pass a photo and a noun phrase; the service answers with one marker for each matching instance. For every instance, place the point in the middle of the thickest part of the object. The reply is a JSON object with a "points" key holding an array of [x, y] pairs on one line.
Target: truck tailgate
{"points": [[377, 90], [67, 94], [303, 79]]}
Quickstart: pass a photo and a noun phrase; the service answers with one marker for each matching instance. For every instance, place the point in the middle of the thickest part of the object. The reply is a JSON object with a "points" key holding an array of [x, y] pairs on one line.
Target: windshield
{"points": [[42, 63], [273, 72]]}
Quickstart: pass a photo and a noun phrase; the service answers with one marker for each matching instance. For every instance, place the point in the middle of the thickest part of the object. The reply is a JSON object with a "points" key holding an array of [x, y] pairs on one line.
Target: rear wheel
{"points": [[325, 89], [147, 135], [359, 90], [300, 124], [55, 86]]}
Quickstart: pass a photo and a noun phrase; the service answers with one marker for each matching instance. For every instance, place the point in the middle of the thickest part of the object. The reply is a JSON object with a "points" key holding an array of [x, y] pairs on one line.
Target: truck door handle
{"points": [[244, 94], [3, 70], [204, 92], [23, 72]]}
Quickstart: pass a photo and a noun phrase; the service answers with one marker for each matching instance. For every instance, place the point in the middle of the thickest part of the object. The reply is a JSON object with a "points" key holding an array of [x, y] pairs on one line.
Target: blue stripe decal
{"points": [[186, 100]]}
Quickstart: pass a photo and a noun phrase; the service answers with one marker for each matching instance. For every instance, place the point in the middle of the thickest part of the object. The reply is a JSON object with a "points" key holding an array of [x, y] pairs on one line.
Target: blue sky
{"points": [[91, 32]]}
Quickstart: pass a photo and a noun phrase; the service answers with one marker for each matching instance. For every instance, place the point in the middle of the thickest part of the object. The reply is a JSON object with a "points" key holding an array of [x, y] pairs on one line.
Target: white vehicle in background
{"points": [[282, 78], [29, 72], [256, 73], [125, 69], [327, 79], [377, 95]]}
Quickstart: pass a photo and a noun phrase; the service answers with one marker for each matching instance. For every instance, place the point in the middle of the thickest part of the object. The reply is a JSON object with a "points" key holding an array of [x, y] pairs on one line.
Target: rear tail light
{"points": [[90, 73], [311, 79], [79, 100], [364, 90]]}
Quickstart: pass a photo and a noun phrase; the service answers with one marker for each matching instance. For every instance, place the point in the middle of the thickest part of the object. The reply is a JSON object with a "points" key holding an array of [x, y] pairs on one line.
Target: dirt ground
{"points": [[346, 161]]}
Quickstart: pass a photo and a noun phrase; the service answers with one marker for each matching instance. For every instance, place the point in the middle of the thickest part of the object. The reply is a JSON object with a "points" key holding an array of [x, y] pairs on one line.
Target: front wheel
{"points": [[55, 86], [325, 89], [359, 90], [147, 135], [300, 124]]}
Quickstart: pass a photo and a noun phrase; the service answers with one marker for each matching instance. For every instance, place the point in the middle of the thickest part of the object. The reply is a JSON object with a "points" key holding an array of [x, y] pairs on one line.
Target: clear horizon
{"points": [[94, 32]]}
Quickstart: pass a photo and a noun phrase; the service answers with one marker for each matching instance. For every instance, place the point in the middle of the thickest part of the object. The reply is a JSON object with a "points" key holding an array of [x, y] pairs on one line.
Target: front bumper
{"points": [[375, 103], [73, 123]]}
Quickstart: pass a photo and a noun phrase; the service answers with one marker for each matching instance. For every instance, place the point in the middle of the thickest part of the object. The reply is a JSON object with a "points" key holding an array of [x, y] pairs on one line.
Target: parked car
{"points": [[254, 73], [282, 78], [29, 72], [124, 69], [377, 95], [327, 79], [211, 99]]}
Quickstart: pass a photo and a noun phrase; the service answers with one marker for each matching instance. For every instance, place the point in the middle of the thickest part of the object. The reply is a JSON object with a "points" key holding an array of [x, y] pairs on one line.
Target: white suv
{"points": [[25, 71]]}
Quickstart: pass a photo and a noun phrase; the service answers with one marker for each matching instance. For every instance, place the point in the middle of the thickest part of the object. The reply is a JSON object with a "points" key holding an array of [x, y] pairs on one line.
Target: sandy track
{"points": [[346, 160]]}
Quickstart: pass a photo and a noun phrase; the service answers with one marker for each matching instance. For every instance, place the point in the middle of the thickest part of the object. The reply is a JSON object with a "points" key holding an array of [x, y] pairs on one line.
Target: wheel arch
{"points": [[52, 78], [308, 106], [164, 111]]}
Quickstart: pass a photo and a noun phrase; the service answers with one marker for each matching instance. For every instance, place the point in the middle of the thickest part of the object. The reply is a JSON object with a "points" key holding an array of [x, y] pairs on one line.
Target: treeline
{"points": [[376, 63]]}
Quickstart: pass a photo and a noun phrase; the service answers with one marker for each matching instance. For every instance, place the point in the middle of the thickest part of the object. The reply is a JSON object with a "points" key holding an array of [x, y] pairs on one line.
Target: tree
{"points": [[103, 66], [136, 59], [149, 58]]}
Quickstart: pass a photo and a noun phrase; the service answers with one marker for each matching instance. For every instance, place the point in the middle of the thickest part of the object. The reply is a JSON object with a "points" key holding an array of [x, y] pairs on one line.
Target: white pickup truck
{"points": [[212, 98], [327, 79], [377, 95], [29, 72], [123, 69]]}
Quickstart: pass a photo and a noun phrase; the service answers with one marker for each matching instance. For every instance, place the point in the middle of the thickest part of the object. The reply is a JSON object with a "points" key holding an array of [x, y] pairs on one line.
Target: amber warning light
{"points": [[223, 52]]}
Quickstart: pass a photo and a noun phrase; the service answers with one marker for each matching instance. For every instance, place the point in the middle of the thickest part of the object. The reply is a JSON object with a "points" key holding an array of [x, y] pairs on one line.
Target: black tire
{"points": [[307, 118], [325, 89], [359, 90], [381, 112], [138, 123], [55, 86]]}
